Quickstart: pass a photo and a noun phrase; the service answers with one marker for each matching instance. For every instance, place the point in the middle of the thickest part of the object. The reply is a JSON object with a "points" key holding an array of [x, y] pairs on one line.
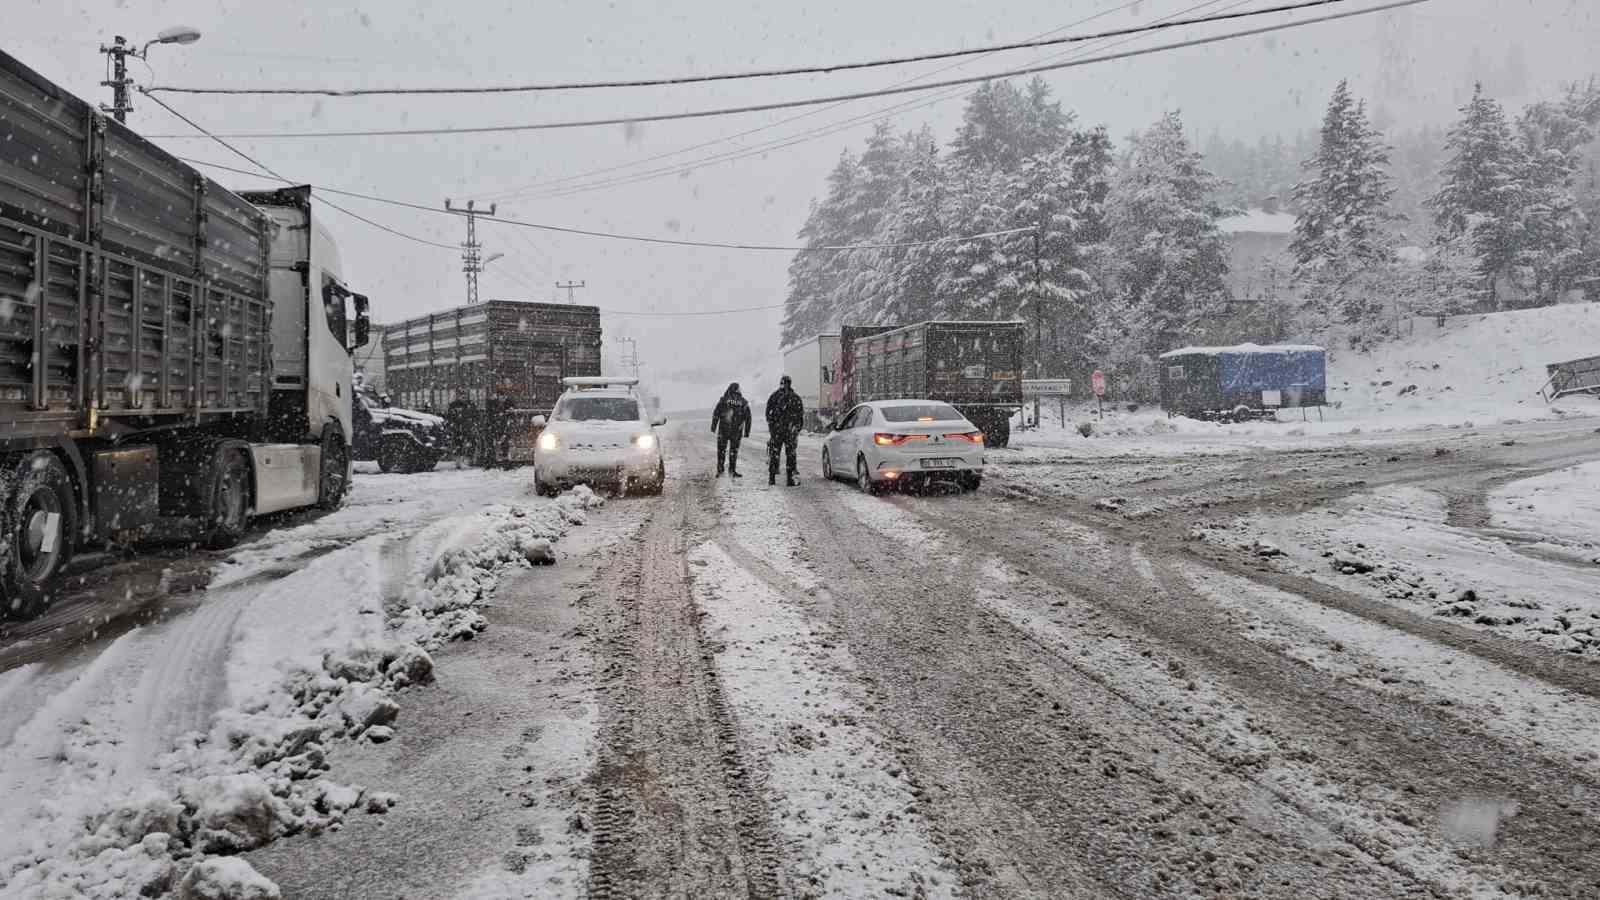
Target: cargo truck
{"points": [[810, 365], [490, 369], [974, 366], [168, 349]]}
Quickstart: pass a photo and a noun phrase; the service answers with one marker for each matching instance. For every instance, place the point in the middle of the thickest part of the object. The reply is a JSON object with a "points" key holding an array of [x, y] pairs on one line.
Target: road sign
{"points": [[1046, 387], [1098, 382]]}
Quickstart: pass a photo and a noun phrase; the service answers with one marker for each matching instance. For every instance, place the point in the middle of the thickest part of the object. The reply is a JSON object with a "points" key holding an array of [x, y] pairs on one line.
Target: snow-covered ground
{"points": [[1476, 370], [1395, 545], [129, 766]]}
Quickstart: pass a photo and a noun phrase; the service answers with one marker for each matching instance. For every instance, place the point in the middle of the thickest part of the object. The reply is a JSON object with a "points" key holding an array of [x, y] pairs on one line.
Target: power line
{"points": [[881, 114], [754, 73], [709, 312], [545, 188], [638, 238], [812, 101], [264, 168]]}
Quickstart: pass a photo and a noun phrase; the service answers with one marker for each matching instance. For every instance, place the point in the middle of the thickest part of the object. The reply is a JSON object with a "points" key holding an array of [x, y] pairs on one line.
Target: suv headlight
{"points": [[645, 441], [549, 441]]}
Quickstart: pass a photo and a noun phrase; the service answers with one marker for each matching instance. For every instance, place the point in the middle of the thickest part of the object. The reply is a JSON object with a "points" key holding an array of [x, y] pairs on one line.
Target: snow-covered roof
{"points": [[1244, 348], [1256, 221]]}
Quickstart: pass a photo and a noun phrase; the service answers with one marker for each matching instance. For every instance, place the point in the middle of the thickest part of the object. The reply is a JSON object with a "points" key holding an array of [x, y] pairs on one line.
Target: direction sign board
{"points": [[1046, 387], [1098, 382]]}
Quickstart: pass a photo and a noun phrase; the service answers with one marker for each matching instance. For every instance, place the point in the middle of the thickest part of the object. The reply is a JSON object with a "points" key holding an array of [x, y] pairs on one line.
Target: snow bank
{"points": [[318, 656], [1484, 367]]}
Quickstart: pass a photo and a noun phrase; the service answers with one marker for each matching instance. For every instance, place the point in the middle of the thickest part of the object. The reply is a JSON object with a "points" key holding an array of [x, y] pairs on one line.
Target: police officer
{"points": [[731, 423], [786, 415]]}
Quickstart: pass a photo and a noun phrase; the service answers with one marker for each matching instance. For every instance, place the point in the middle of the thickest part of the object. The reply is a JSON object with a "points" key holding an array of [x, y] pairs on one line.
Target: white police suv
{"points": [[598, 435]]}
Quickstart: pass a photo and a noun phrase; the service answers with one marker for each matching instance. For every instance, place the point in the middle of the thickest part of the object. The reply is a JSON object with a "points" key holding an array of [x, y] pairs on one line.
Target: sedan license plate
{"points": [[938, 464]]}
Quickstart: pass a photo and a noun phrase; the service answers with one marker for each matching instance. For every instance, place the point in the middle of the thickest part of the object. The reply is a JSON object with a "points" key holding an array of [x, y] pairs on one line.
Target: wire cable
{"points": [[678, 315], [637, 238], [263, 167], [540, 186], [811, 101], [881, 114], [749, 74]]}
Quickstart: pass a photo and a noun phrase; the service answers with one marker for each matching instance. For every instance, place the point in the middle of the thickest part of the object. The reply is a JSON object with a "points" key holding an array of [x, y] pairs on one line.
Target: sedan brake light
{"points": [[975, 437], [883, 439]]}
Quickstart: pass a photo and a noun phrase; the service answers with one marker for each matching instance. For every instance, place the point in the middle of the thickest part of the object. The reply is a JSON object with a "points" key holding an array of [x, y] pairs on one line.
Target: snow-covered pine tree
{"points": [[1552, 224], [1170, 257], [814, 276], [918, 215], [1342, 239], [1001, 125], [1482, 193]]}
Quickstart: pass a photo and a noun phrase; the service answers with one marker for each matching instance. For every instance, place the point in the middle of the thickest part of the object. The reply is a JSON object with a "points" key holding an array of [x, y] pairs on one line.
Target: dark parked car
{"points": [[401, 440]]}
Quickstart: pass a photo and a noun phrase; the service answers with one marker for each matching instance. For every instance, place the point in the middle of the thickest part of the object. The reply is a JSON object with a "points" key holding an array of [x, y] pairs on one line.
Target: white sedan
{"points": [[888, 442]]}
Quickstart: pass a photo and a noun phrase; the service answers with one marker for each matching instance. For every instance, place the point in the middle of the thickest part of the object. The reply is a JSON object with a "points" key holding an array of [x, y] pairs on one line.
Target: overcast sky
{"points": [[1421, 61]]}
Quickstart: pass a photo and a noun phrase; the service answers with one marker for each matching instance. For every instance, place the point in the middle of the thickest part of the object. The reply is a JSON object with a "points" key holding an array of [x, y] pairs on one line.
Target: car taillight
{"points": [[974, 436], [883, 439]]}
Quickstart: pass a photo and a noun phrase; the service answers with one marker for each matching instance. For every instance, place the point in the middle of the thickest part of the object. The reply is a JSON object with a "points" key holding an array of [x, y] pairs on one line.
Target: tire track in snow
{"points": [[676, 812], [1357, 736], [1066, 761], [186, 683], [39, 746]]}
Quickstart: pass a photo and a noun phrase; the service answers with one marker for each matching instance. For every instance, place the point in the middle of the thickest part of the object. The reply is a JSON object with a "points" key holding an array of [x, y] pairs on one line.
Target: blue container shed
{"points": [[1243, 381]]}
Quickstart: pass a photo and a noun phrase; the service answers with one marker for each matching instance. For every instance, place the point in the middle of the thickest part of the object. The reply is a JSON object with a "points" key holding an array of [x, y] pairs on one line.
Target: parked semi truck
{"points": [[809, 364], [168, 348], [974, 366], [490, 369]]}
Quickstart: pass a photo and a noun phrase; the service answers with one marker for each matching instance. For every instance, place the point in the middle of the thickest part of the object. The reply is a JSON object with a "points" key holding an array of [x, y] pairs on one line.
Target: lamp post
{"points": [[119, 51]]}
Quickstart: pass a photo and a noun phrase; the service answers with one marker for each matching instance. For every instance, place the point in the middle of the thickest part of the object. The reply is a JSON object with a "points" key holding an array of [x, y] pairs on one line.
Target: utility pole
{"points": [[471, 257], [569, 287], [119, 51], [1038, 308], [633, 358]]}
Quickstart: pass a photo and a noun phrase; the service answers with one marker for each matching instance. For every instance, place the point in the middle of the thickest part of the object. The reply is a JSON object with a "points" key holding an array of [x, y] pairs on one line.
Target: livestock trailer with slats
{"points": [[167, 347], [974, 366], [1575, 376], [1243, 381], [491, 368]]}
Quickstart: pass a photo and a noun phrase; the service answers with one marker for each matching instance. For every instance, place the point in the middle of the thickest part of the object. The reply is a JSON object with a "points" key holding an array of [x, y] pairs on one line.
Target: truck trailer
{"points": [[489, 369], [1246, 381], [974, 366], [169, 349], [811, 364]]}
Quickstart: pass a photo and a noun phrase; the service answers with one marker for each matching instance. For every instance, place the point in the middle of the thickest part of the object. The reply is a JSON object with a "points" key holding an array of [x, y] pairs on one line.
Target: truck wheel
{"points": [[228, 506], [39, 523], [334, 481]]}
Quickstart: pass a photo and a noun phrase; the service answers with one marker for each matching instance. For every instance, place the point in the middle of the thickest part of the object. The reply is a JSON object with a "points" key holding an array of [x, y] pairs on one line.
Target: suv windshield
{"points": [[936, 412], [604, 409]]}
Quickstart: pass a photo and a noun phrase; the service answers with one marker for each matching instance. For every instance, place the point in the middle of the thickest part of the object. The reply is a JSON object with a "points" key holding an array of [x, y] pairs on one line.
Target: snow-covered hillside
{"points": [[1485, 366]]}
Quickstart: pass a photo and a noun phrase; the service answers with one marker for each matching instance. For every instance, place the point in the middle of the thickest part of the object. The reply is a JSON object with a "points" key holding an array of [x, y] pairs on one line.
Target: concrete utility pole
{"points": [[119, 51], [633, 358], [471, 258], [569, 287]]}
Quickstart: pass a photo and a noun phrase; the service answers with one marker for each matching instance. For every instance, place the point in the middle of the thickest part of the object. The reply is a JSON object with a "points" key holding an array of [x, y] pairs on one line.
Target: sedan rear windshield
{"points": [[599, 409], [937, 412]]}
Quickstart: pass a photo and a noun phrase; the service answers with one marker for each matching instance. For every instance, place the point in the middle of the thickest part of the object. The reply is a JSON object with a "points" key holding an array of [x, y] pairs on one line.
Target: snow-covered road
{"points": [[1239, 671]]}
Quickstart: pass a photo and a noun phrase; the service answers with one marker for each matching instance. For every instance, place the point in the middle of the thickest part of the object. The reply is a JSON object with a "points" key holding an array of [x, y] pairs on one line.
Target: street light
{"points": [[491, 258], [119, 51]]}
